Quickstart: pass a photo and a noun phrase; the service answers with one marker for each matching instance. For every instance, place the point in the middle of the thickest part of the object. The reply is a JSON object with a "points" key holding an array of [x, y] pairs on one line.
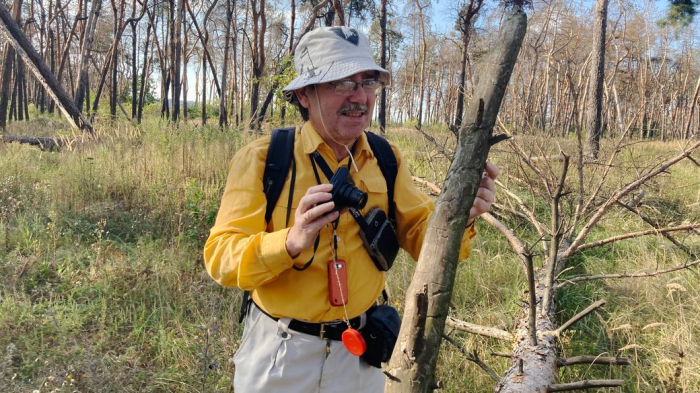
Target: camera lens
{"points": [[344, 193], [350, 196]]}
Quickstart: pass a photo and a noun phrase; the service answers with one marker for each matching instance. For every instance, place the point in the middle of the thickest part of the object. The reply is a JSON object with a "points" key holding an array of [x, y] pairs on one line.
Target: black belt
{"points": [[330, 330]]}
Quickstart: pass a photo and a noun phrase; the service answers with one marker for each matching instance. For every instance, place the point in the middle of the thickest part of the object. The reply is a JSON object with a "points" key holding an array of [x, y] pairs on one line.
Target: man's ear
{"points": [[302, 96]]}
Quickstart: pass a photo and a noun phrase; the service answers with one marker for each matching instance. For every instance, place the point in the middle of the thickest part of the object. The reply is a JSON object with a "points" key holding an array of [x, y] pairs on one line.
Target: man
{"points": [[292, 341]]}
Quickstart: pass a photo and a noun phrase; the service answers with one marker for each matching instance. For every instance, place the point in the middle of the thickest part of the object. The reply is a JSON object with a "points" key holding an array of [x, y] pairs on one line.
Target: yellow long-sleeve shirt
{"points": [[244, 251]]}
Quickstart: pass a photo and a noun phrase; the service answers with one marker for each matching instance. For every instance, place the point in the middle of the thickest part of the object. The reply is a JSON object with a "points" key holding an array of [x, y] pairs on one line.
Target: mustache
{"points": [[353, 108]]}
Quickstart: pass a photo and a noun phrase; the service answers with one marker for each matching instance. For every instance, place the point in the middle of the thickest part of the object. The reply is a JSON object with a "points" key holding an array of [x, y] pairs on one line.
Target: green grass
{"points": [[102, 286]]}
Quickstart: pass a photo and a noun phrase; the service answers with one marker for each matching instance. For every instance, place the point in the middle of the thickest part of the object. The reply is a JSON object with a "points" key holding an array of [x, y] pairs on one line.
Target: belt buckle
{"points": [[321, 331]]}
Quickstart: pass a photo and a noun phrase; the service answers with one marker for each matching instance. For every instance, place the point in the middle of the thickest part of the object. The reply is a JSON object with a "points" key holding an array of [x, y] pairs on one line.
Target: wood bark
{"points": [[85, 48], [413, 361], [466, 17], [33, 60], [223, 97], [176, 53], [7, 68], [594, 106], [144, 75], [257, 55], [382, 55]]}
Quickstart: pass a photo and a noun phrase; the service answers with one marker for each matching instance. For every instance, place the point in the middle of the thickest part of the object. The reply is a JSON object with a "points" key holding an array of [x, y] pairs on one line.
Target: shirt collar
{"points": [[312, 141]]}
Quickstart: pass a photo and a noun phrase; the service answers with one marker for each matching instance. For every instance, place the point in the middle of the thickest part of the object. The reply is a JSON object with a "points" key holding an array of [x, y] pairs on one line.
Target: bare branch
{"points": [[444, 150], [428, 184], [310, 24], [589, 384], [579, 316], [533, 300], [637, 234], [557, 232], [542, 230], [518, 246], [655, 225], [498, 206], [473, 357], [610, 361], [485, 331], [603, 209], [627, 275]]}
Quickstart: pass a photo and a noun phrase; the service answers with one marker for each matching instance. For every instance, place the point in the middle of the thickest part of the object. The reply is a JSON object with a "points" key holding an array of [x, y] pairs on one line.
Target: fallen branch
{"points": [[44, 143], [428, 184], [542, 230], [498, 206], [473, 357], [621, 193], [444, 150], [556, 157], [626, 275], [520, 248], [656, 226], [579, 316], [485, 331], [610, 361], [590, 384]]}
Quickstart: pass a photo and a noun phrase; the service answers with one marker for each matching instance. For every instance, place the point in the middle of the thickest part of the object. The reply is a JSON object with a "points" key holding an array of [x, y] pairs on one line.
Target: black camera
{"points": [[344, 193]]}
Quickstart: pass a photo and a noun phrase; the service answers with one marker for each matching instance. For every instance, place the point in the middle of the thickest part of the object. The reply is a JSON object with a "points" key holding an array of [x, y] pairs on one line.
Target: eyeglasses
{"points": [[348, 87]]}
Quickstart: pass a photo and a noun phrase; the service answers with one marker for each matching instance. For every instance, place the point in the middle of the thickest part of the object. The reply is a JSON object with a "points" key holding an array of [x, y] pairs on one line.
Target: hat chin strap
{"points": [[325, 130]]}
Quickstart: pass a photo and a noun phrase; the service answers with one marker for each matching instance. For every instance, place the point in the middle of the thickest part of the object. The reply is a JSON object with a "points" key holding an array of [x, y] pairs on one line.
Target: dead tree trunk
{"points": [[144, 73], [382, 54], [82, 83], [257, 56], [33, 60], [594, 106], [414, 358], [176, 55], [223, 96], [7, 68]]}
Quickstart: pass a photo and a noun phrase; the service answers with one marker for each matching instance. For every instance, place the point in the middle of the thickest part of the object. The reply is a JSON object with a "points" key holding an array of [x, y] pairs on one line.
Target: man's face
{"points": [[342, 117]]}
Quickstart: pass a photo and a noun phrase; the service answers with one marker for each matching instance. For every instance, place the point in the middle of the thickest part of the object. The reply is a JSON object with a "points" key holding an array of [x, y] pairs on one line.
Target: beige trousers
{"points": [[273, 358]]}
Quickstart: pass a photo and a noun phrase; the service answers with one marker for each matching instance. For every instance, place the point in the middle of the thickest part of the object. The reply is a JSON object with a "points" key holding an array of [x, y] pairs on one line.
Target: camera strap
{"points": [[316, 159]]}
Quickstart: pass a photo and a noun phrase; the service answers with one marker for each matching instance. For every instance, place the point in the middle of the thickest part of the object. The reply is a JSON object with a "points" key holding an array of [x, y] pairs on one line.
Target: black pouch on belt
{"points": [[379, 239], [380, 334]]}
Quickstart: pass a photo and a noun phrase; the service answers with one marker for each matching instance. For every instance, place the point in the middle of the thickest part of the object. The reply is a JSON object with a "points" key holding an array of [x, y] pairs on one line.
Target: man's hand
{"points": [[309, 218], [485, 195]]}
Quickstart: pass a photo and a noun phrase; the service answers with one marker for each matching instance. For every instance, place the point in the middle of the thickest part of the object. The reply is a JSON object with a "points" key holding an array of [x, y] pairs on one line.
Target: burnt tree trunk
{"points": [[594, 105], [413, 361], [257, 55], [382, 54], [82, 83], [223, 97], [7, 68], [33, 60], [144, 74], [177, 10]]}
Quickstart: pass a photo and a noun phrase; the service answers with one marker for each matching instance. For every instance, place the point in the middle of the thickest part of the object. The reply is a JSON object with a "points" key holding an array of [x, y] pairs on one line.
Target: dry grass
{"points": [[102, 286]]}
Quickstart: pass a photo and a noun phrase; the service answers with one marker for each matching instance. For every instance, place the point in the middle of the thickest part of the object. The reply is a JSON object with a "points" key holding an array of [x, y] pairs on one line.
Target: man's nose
{"points": [[359, 95]]}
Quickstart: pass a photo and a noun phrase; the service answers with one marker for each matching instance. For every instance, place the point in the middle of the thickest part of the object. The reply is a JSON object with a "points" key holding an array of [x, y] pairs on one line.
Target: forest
{"points": [[118, 120]]}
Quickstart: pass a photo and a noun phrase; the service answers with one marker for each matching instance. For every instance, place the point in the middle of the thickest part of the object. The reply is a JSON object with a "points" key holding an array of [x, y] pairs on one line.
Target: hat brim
{"points": [[334, 71]]}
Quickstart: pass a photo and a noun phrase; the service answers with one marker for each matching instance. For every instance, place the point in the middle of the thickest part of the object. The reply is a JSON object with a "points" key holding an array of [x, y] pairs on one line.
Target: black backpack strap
{"points": [[279, 157], [387, 163]]}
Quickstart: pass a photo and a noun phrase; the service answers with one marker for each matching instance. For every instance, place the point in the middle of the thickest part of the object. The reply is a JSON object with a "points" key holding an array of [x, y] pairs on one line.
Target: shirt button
{"points": [[284, 265]]}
